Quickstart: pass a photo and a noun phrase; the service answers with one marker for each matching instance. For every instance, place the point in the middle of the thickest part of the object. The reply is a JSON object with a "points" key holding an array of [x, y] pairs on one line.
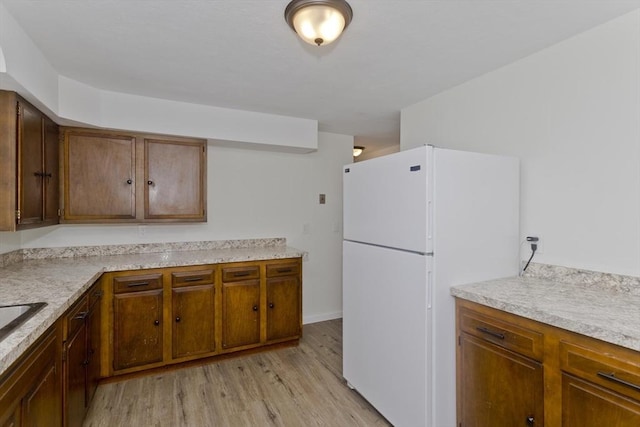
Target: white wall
{"points": [[252, 194], [571, 113], [24, 69]]}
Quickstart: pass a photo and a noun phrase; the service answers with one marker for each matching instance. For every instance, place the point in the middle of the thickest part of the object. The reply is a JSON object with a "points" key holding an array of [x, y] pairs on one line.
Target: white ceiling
{"points": [[241, 54]]}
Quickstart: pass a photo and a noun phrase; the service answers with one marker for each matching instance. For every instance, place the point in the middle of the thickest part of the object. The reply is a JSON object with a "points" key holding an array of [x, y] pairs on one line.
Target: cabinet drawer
{"points": [[234, 274], [503, 333], [190, 278], [137, 283], [288, 269], [601, 367], [74, 319]]}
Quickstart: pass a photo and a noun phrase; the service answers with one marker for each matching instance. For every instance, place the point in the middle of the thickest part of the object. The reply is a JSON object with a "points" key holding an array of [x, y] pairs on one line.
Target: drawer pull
{"points": [[612, 377], [98, 294], [490, 332], [193, 279], [242, 274], [284, 270], [81, 316], [271, 305], [255, 308], [135, 285], [156, 322]]}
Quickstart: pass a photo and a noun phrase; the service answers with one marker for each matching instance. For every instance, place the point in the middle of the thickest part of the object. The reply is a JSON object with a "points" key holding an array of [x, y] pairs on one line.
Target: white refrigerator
{"points": [[416, 223]]}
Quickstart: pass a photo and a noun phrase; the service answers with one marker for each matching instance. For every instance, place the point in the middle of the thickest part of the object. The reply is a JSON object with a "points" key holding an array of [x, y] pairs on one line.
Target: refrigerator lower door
{"points": [[387, 330]]}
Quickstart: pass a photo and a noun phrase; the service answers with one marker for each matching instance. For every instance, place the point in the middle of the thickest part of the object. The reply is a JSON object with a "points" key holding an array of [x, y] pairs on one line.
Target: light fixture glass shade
{"points": [[319, 25], [357, 150], [318, 22]]}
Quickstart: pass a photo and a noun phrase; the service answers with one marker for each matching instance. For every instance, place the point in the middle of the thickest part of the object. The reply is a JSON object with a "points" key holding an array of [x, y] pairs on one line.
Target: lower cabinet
{"points": [[284, 301], [193, 313], [81, 338], [240, 306], [31, 391], [514, 371], [137, 320], [506, 389], [171, 315]]}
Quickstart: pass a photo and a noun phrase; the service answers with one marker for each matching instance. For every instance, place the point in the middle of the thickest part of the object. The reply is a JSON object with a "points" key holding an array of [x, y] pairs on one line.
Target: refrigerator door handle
{"points": [[430, 223], [429, 289]]}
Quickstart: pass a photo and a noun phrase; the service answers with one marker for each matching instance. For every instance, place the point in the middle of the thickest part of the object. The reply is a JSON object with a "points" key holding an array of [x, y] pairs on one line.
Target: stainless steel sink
{"points": [[12, 316]]}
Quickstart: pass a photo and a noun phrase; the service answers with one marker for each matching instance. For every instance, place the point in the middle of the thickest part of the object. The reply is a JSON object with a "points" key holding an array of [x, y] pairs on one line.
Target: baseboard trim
{"points": [[321, 317]]}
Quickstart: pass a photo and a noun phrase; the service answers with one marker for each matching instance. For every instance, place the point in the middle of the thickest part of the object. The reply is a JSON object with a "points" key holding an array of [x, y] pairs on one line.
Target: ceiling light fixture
{"points": [[357, 150], [318, 22]]}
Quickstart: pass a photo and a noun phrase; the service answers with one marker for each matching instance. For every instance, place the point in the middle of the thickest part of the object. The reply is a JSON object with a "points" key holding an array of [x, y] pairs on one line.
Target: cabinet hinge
{"points": [[18, 215], [459, 340], [59, 213], [64, 354]]}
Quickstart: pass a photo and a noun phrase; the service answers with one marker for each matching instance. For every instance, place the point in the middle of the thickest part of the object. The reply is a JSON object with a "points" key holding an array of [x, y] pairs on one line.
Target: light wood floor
{"points": [[295, 386]]}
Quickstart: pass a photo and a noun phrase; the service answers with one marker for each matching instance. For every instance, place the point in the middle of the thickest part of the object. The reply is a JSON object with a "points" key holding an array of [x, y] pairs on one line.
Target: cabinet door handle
{"points": [[156, 322], [271, 305], [98, 294], [149, 182], [255, 308], [490, 332], [81, 316], [612, 377], [129, 182], [177, 319], [285, 270], [47, 175], [193, 279], [135, 285], [530, 421], [241, 274], [85, 362]]}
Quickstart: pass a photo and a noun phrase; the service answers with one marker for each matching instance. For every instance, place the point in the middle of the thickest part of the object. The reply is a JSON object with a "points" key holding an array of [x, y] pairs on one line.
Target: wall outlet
{"points": [[540, 244], [322, 199]]}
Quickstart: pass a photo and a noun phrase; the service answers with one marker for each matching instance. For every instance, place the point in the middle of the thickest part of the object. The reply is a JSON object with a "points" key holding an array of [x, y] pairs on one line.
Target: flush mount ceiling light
{"points": [[357, 150], [318, 22]]}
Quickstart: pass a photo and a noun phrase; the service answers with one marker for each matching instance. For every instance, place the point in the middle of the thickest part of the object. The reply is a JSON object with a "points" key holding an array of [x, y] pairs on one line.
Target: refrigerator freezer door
{"points": [[387, 330], [387, 200]]}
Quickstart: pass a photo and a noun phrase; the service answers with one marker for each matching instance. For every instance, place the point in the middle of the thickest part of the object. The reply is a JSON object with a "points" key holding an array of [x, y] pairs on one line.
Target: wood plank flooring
{"points": [[295, 386]]}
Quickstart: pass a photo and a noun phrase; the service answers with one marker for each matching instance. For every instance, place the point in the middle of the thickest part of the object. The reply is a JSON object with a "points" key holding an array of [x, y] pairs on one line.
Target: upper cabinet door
{"points": [[99, 176], [30, 165], [51, 176], [175, 179]]}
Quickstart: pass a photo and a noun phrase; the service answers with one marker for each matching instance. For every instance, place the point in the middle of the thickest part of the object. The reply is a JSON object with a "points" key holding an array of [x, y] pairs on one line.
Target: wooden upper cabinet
{"points": [[28, 165], [114, 176], [99, 176], [174, 174]]}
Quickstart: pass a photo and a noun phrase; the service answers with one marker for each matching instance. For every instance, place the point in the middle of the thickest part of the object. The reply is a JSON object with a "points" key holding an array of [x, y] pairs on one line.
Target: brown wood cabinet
{"points": [[172, 315], [81, 335], [29, 165], [137, 320], [515, 371], [31, 390], [284, 300], [240, 305], [193, 313], [117, 176]]}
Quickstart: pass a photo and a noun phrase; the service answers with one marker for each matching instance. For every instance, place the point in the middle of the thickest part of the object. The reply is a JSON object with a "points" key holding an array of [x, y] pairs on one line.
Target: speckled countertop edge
{"points": [[61, 281], [604, 312]]}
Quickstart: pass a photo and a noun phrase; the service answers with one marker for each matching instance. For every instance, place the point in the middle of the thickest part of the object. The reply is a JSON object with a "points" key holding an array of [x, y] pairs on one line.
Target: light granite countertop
{"points": [[608, 310], [61, 281]]}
